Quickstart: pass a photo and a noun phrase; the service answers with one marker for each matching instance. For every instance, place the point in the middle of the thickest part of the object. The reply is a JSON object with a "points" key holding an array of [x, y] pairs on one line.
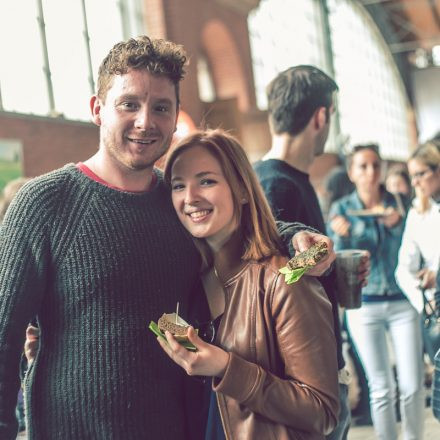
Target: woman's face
{"points": [[365, 170], [395, 183], [424, 178], [202, 197]]}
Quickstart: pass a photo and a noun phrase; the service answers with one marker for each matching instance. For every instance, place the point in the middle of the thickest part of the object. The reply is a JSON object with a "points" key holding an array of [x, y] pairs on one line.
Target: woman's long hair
{"points": [[251, 209]]}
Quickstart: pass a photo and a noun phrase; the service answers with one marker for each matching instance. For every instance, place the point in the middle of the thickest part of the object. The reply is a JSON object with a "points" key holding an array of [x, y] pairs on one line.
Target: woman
{"points": [[385, 310], [419, 256], [397, 181], [273, 360]]}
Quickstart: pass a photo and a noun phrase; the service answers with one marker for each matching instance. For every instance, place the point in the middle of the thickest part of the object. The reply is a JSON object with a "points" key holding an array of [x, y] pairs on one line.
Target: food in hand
{"points": [[177, 326], [302, 262]]}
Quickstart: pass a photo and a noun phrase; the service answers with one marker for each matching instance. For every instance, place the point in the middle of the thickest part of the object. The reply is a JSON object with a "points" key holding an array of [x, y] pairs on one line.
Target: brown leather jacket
{"points": [[281, 381]]}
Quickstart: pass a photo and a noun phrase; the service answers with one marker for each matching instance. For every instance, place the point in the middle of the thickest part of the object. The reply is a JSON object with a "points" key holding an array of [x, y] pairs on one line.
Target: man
{"points": [[95, 251], [300, 104]]}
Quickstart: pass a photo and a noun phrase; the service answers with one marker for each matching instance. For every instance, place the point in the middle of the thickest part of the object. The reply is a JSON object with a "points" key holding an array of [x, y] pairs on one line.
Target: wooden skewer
{"points": [[177, 311]]}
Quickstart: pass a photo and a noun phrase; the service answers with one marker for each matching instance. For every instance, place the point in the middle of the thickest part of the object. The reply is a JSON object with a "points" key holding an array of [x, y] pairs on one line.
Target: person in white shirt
{"points": [[419, 255]]}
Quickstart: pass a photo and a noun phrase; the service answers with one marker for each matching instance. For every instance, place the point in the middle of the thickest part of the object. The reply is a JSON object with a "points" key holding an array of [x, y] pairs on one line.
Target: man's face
{"points": [[137, 119]]}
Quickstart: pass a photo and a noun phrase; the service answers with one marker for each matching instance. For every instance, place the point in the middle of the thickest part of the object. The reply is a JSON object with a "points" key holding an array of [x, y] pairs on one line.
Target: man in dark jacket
{"points": [[300, 105]]}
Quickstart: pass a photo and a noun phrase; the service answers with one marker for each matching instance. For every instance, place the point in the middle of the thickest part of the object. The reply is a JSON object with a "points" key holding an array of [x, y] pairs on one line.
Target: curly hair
{"points": [[157, 56]]}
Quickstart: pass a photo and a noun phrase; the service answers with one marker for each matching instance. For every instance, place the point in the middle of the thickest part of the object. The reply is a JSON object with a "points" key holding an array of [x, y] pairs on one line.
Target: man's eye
{"points": [[161, 108], [129, 105]]}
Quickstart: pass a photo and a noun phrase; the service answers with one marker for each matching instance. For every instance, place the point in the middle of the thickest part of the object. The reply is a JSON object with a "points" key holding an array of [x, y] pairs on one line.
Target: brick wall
{"points": [[49, 143]]}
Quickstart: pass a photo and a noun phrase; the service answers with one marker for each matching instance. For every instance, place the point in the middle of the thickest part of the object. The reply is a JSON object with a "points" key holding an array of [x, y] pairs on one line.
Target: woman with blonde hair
{"points": [[271, 352], [419, 255]]}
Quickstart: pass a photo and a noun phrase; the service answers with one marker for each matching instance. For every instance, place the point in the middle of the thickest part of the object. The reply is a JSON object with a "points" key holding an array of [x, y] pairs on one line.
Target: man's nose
{"points": [[144, 119]]}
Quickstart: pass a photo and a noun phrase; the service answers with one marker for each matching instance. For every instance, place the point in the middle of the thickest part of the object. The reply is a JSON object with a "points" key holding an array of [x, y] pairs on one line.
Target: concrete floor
{"points": [[432, 429]]}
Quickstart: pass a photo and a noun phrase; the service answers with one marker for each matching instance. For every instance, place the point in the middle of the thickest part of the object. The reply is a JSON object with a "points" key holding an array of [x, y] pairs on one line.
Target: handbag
{"points": [[431, 328]]}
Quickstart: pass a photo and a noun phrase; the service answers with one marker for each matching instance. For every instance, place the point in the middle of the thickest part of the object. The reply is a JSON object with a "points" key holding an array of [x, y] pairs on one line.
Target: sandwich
{"points": [[304, 261], [176, 326]]}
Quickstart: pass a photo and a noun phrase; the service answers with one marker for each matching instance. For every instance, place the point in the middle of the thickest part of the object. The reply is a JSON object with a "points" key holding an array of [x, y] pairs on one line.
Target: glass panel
{"points": [[284, 33], [372, 100], [22, 80]]}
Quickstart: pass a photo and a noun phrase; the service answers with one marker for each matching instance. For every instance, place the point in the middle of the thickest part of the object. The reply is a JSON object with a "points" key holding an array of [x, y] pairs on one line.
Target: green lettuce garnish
{"points": [[292, 276], [156, 330]]}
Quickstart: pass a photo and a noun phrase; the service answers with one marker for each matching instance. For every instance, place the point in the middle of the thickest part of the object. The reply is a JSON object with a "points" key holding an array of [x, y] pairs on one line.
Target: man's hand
{"points": [[32, 343], [301, 241], [208, 360], [391, 218], [364, 269]]}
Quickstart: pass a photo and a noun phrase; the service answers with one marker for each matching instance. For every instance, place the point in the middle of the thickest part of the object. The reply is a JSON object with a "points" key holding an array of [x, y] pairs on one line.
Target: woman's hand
{"points": [[427, 278], [340, 225], [301, 241], [208, 360], [32, 343], [364, 268]]}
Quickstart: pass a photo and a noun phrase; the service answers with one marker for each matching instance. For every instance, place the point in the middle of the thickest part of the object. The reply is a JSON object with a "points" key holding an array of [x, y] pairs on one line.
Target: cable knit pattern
{"points": [[95, 265]]}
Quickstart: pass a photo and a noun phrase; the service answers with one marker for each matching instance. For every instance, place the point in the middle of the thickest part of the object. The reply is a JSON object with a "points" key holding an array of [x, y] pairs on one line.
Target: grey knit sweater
{"points": [[95, 265]]}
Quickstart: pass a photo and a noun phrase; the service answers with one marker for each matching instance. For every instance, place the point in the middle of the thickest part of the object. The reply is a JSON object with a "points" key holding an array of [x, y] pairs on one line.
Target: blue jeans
{"points": [[369, 326], [341, 430]]}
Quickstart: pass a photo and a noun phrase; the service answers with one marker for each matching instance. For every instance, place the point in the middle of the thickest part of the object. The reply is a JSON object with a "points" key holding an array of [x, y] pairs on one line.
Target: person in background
{"points": [[436, 375], [337, 184], [96, 252], [9, 192], [419, 257], [385, 309], [397, 181], [273, 360], [300, 104]]}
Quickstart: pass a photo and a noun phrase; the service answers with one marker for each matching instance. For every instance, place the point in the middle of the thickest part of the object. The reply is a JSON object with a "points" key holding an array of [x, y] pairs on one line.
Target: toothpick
{"points": [[177, 311]]}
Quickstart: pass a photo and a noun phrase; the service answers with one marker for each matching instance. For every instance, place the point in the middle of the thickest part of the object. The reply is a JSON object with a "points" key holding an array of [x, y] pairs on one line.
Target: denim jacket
{"points": [[368, 233]]}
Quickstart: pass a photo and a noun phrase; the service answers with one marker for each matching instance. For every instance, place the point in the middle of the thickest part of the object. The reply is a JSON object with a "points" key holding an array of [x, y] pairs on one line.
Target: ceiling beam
{"points": [[408, 46]]}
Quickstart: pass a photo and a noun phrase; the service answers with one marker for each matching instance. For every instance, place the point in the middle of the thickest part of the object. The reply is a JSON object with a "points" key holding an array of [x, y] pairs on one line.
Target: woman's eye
{"points": [[177, 187], [206, 182]]}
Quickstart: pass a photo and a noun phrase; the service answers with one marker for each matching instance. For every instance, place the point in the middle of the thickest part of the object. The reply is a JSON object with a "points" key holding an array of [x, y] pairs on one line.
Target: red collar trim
{"points": [[89, 173]]}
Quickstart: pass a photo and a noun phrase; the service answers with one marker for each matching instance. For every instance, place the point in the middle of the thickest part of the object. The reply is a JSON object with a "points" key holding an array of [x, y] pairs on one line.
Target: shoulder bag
{"points": [[431, 328]]}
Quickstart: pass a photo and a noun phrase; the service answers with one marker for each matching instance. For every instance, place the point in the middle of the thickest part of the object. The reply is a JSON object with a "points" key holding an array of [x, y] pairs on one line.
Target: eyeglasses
{"points": [[420, 174]]}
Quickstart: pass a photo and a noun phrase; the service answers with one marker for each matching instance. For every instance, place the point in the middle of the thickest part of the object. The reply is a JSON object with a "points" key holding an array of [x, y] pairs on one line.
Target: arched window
{"points": [[372, 100], [22, 76]]}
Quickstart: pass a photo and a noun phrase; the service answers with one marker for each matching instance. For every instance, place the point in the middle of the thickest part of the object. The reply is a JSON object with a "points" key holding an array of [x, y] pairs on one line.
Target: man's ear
{"points": [[320, 117], [177, 118], [95, 107]]}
